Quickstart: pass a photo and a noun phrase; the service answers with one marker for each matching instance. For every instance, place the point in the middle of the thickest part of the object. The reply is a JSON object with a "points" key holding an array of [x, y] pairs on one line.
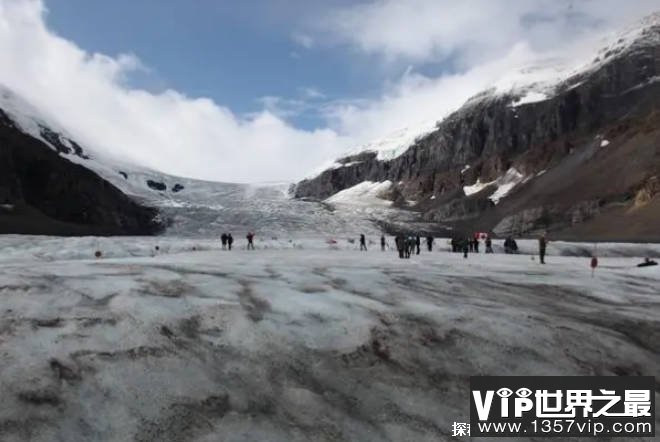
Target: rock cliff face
{"points": [[588, 146], [42, 192]]}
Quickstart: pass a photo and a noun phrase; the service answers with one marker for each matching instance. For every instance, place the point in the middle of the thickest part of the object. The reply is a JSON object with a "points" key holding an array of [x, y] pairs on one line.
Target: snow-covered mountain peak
{"points": [[542, 79], [386, 148], [397, 142], [31, 121]]}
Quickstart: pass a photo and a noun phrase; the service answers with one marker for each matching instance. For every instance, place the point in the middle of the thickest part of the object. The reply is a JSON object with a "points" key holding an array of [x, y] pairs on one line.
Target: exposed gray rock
{"points": [[155, 185], [525, 221]]}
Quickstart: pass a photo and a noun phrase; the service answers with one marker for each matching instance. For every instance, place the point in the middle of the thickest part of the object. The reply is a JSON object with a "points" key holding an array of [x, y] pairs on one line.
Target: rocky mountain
{"points": [[44, 191], [577, 155]]}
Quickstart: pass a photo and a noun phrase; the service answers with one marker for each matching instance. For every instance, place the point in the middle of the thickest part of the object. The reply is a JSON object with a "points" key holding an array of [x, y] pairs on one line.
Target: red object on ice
{"points": [[594, 262]]}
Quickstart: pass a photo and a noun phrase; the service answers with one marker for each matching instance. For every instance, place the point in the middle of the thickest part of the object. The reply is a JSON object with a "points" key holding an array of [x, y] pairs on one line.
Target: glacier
{"points": [[171, 339]]}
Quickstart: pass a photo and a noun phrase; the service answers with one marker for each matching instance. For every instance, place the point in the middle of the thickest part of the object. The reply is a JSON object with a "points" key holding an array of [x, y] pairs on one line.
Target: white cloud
{"points": [[312, 93], [304, 40], [431, 30], [485, 39], [88, 94]]}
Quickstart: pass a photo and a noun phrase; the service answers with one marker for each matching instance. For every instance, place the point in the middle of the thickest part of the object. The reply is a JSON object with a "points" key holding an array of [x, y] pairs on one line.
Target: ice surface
{"points": [[297, 343]]}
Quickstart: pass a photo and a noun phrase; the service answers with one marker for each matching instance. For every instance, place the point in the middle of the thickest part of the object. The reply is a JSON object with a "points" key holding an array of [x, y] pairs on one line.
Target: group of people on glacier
{"points": [[227, 241], [408, 245]]}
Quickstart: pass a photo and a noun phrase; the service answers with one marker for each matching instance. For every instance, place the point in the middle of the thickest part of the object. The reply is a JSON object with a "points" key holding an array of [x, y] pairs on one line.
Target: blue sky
{"points": [[225, 50], [269, 90]]}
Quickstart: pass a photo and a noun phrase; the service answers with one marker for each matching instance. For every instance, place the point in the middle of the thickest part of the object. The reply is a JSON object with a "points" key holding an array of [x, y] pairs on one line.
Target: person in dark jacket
{"points": [[429, 243], [407, 246], [489, 245], [542, 245], [476, 244], [418, 243], [250, 240], [510, 246], [466, 247], [230, 240], [400, 245], [382, 243], [223, 239], [363, 243]]}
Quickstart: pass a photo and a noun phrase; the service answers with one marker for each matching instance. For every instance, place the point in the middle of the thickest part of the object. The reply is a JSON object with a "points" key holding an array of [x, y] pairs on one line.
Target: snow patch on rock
{"points": [[530, 97], [396, 143], [505, 184], [367, 193]]}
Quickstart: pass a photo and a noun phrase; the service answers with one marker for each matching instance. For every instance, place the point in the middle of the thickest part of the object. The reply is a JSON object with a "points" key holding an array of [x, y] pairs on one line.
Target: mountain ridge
{"points": [[593, 118]]}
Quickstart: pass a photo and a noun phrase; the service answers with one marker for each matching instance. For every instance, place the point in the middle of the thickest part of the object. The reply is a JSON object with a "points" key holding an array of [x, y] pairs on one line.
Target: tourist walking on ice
{"points": [[230, 241], [542, 244], [466, 247], [223, 239], [382, 243], [363, 243], [400, 244], [510, 246], [410, 246], [429, 243], [418, 243], [250, 240], [489, 245]]}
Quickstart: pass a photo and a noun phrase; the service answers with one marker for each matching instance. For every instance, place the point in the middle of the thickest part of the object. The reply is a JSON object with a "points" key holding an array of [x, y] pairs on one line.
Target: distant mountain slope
{"points": [[43, 192], [550, 149]]}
